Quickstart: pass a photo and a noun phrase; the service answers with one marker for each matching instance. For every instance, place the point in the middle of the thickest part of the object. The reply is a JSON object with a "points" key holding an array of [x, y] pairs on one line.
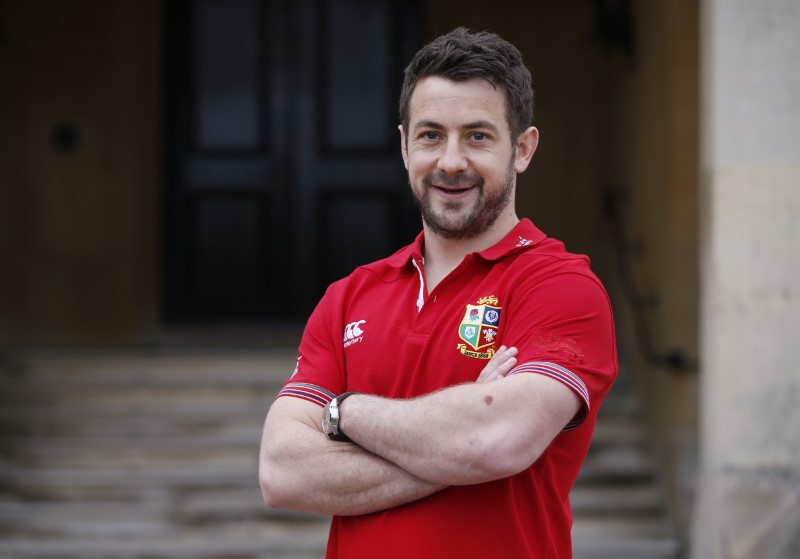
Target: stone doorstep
{"points": [[626, 548], [157, 402], [141, 397], [639, 500], [618, 432], [192, 442], [203, 544], [625, 507], [183, 414], [221, 504], [110, 381], [46, 449], [140, 410], [607, 526], [613, 465], [71, 388], [146, 475], [238, 502], [631, 538], [138, 518], [146, 430], [160, 461], [85, 519], [12, 413], [195, 465], [272, 366], [191, 506]]}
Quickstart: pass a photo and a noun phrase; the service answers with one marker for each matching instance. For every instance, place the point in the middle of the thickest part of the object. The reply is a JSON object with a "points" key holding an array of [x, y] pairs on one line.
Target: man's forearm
{"points": [[423, 436], [465, 434], [301, 469]]}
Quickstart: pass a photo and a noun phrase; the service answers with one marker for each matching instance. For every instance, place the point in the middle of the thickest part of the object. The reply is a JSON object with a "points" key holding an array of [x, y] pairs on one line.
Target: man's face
{"points": [[461, 161]]}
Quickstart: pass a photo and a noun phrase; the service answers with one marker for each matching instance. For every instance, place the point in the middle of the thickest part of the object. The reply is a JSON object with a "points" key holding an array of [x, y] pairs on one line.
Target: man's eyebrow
{"points": [[481, 124], [432, 124], [428, 124]]}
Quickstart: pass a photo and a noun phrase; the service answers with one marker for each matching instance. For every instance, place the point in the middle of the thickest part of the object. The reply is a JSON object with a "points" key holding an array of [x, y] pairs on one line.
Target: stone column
{"points": [[749, 489]]}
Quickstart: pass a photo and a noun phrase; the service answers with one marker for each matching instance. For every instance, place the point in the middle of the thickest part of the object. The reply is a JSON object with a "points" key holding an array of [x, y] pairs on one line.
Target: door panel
{"points": [[355, 74], [284, 170], [229, 97]]}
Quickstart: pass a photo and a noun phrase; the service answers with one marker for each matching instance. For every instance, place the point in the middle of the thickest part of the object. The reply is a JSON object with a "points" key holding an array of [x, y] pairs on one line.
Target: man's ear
{"points": [[403, 146], [527, 143]]}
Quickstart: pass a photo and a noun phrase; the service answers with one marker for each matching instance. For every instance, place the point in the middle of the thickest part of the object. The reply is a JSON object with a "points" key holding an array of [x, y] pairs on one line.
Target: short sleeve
{"points": [[319, 372], [563, 328]]}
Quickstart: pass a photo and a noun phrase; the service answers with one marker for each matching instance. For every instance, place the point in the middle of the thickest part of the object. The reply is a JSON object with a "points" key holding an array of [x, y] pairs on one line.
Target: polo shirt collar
{"points": [[523, 236]]}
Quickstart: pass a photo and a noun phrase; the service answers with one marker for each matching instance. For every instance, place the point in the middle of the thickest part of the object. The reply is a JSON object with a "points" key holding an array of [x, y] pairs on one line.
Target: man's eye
{"points": [[430, 135], [479, 136]]}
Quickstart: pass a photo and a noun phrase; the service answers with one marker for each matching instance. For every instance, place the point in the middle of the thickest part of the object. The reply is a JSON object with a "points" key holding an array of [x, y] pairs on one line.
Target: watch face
{"points": [[326, 420]]}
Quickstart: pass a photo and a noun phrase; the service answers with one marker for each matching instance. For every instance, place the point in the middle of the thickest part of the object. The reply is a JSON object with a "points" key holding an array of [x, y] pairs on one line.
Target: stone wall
{"points": [[749, 503]]}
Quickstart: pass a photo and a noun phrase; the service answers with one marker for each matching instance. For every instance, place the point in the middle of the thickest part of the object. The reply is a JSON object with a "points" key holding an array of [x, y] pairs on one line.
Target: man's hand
{"points": [[499, 365]]}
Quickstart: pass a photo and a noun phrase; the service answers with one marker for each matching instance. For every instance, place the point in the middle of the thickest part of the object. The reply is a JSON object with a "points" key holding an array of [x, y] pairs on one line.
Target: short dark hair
{"points": [[463, 54]]}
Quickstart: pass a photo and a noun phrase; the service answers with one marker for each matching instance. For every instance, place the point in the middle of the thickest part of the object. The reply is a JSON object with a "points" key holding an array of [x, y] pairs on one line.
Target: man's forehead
{"points": [[474, 102]]}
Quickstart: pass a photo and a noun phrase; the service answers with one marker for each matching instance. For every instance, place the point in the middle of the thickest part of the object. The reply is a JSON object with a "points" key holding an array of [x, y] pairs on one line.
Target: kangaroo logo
{"points": [[353, 333]]}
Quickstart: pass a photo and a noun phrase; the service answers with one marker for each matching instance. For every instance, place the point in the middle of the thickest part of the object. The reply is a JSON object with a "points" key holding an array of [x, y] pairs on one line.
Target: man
{"points": [[444, 398]]}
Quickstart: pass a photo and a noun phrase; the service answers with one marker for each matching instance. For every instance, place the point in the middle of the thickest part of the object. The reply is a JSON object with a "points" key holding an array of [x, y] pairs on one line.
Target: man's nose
{"points": [[452, 160]]}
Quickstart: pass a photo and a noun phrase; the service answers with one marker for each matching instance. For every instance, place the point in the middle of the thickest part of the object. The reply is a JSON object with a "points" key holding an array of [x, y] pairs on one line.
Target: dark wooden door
{"points": [[283, 164]]}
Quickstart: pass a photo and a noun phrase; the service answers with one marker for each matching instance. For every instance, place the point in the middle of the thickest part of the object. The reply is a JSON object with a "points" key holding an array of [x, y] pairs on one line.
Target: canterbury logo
{"points": [[353, 333]]}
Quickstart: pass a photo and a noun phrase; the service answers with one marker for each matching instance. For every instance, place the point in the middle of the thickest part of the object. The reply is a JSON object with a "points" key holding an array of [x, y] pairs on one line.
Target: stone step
{"points": [[617, 465], [143, 456], [30, 385], [640, 500], [621, 504], [233, 489], [117, 457], [608, 537], [221, 437], [133, 482], [203, 450], [85, 520], [135, 368], [254, 540], [151, 515], [617, 431], [194, 427], [626, 548], [142, 428], [142, 401], [15, 416]]}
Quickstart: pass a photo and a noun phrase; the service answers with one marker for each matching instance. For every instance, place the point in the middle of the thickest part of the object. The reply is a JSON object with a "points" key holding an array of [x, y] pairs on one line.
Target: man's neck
{"points": [[443, 255]]}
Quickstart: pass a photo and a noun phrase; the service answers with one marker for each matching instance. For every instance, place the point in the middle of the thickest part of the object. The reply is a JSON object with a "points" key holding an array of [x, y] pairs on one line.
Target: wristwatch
{"points": [[330, 418]]}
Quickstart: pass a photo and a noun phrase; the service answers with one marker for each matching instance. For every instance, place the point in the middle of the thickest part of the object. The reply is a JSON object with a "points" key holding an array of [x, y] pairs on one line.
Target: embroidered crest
{"points": [[479, 328]]}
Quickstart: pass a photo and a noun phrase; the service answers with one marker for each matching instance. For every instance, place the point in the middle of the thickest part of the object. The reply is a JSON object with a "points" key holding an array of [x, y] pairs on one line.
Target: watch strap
{"points": [[340, 398], [338, 434]]}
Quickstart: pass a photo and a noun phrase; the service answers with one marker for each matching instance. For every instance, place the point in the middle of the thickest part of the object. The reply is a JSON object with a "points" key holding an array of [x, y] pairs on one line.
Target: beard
{"points": [[451, 220]]}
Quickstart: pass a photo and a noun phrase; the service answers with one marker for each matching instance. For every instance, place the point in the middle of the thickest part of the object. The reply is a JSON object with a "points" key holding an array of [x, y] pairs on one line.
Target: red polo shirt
{"points": [[379, 332]]}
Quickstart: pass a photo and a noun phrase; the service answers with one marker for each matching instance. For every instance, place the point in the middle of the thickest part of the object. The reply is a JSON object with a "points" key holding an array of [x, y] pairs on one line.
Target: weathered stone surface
{"points": [[748, 505], [136, 456], [761, 514]]}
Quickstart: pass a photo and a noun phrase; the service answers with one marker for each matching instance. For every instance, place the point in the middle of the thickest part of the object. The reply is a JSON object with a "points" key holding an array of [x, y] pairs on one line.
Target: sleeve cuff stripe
{"points": [[307, 392], [566, 376], [312, 387], [576, 421], [306, 397], [557, 372]]}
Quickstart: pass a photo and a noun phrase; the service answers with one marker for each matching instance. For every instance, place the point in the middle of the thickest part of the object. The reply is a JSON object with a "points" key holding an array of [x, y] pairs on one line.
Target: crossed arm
{"points": [[405, 450]]}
